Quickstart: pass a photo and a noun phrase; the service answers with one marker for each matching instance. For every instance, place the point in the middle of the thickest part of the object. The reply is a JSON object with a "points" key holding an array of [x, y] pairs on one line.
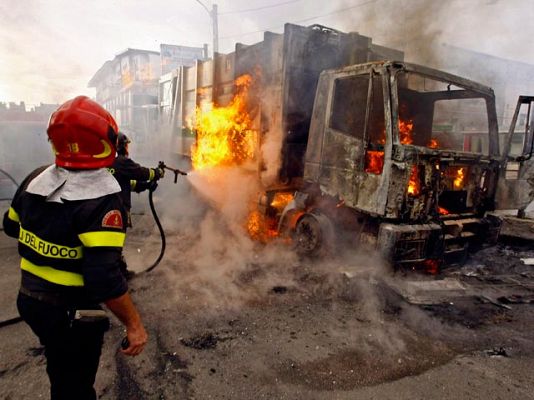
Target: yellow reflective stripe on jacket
{"points": [[152, 174], [133, 184], [103, 239], [48, 249], [13, 215], [53, 275]]}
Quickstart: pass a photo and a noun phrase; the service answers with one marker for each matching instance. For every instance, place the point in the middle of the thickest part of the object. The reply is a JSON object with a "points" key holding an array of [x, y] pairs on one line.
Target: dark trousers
{"points": [[72, 349]]}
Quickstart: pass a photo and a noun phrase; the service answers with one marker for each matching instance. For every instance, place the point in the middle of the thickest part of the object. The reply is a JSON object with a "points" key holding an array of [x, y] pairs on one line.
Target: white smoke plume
{"points": [[270, 152]]}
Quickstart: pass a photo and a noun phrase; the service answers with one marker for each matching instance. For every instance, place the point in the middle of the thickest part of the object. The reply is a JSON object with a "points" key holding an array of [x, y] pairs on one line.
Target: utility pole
{"points": [[215, 25], [215, 35], [214, 20]]}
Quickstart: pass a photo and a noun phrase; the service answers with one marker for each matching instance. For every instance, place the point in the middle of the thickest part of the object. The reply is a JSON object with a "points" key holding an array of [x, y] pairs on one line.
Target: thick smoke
{"points": [[210, 256], [470, 39]]}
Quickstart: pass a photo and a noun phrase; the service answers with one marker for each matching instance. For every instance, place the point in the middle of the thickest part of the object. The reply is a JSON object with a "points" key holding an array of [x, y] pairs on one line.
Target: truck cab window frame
{"points": [[440, 116], [346, 116]]}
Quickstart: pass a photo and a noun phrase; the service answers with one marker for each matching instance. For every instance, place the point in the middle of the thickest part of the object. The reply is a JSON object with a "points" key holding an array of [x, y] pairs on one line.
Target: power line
{"points": [[302, 20], [259, 8], [338, 11]]}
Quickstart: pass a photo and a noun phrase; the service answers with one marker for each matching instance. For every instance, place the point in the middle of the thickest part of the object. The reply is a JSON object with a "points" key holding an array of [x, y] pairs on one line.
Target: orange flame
{"points": [[260, 227], [443, 211], [225, 135], [406, 134], [414, 184], [406, 131], [459, 179], [433, 144], [263, 228], [374, 161], [281, 200], [255, 225]]}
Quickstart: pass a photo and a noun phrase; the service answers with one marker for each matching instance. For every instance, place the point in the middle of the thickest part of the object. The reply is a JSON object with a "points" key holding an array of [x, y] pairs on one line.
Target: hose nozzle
{"points": [[176, 171]]}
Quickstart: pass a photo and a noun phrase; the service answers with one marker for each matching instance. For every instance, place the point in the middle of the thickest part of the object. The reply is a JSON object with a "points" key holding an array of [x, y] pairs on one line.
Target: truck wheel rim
{"points": [[308, 234]]}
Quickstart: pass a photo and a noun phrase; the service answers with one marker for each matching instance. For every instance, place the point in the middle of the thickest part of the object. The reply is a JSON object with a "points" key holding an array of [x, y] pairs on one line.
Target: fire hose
{"points": [[125, 343], [151, 190]]}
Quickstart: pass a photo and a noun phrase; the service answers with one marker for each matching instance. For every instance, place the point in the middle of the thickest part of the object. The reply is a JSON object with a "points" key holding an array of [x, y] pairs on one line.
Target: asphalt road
{"points": [[274, 327]]}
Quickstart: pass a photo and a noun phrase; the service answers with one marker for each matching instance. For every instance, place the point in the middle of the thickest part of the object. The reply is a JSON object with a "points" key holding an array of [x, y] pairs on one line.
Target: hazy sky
{"points": [[50, 49]]}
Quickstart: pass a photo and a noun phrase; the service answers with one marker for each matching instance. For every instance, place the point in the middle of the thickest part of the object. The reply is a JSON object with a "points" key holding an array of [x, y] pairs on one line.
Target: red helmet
{"points": [[83, 134]]}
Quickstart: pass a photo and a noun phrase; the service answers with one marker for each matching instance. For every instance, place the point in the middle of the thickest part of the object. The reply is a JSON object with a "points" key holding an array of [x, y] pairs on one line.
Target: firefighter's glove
{"points": [[158, 173]]}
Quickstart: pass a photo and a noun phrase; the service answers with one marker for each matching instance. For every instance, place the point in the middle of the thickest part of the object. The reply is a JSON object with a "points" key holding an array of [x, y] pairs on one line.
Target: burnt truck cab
{"points": [[402, 157]]}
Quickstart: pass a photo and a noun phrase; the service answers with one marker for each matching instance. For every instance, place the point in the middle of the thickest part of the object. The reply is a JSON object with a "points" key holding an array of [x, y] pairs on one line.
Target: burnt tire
{"points": [[314, 235]]}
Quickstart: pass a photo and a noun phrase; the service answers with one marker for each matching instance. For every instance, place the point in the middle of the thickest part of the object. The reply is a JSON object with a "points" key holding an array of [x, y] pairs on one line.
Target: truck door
{"points": [[374, 164], [516, 182], [348, 145], [344, 135]]}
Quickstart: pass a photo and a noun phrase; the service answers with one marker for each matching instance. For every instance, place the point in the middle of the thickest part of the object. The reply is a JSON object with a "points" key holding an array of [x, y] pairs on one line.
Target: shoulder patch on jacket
{"points": [[113, 219]]}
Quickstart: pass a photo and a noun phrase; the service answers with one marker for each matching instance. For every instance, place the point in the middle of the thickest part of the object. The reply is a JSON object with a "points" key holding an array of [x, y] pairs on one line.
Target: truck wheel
{"points": [[314, 235]]}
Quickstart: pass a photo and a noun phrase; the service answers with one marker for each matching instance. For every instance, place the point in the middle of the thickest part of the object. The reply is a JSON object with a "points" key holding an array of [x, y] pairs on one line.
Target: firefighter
{"points": [[130, 175], [70, 224]]}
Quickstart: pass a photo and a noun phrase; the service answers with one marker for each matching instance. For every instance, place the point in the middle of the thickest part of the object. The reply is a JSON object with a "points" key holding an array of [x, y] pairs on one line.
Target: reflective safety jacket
{"points": [[69, 246], [131, 176]]}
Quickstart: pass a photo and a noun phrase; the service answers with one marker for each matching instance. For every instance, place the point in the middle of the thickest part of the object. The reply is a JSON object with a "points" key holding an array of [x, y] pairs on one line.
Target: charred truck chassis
{"points": [[400, 157]]}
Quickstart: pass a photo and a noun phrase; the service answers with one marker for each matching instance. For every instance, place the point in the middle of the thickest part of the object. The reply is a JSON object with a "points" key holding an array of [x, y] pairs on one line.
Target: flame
{"points": [[225, 135], [255, 225], [281, 199], [406, 134], [406, 131], [202, 92], [261, 226], [414, 184], [374, 161], [459, 179], [433, 144], [431, 266], [443, 211]]}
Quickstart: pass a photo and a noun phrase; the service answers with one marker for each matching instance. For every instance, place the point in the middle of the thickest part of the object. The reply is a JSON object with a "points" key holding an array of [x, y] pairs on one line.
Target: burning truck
{"points": [[386, 153]]}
